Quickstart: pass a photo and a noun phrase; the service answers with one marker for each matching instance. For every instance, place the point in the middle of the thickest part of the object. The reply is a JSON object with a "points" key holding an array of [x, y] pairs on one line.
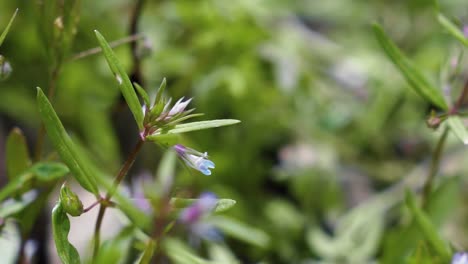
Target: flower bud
{"points": [[70, 201], [5, 68]]}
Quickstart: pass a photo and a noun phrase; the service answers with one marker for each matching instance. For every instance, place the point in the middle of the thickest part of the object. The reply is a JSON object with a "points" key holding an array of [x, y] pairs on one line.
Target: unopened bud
{"points": [[433, 122], [5, 68], [70, 201]]}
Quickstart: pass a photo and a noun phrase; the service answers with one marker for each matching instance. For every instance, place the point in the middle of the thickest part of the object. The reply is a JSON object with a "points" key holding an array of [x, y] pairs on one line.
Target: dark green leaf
{"points": [[122, 79], [17, 154], [412, 75], [5, 31], [48, 171], [61, 227], [143, 94], [64, 145]]}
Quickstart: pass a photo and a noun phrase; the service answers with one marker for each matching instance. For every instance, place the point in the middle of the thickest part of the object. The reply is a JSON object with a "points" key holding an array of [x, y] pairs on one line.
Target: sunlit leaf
{"points": [[193, 126], [181, 254], [222, 205], [457, 127], [147, 254], [412, 75]]}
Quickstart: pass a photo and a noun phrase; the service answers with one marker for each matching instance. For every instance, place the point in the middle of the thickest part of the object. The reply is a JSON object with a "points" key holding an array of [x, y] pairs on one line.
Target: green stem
{"points": [[106, 201], [434, 169]]}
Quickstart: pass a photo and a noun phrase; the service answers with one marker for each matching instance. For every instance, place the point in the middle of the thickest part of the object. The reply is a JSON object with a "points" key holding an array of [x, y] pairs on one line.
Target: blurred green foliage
{"points": [[330, 137]]}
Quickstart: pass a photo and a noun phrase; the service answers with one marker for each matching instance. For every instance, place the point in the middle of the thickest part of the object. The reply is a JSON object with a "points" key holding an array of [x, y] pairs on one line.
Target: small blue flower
{"points": [[460, 258], [195, 159]]}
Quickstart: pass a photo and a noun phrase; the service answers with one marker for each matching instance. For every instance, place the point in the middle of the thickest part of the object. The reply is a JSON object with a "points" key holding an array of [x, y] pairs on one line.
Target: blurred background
{"points": [[330, 134]]}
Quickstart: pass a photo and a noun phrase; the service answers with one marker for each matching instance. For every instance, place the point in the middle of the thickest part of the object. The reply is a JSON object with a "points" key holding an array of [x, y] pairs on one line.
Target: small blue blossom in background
{"points": [[195, 159]]}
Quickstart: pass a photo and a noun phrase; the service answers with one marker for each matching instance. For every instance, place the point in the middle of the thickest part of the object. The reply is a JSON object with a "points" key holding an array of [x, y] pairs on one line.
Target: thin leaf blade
{"points": [[64, 145], [123, 80], [412, 75], [7, 29], [194, 126], [452, 29]]}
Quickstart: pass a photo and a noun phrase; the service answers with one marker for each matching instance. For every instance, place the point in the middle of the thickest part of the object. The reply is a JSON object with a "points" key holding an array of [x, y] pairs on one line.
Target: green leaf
{"points": [[222, 205], [43, 171], [48, 171], [427, 228], [116, 249], [241, 231], [143, 94], [145, 258], [5, 31], [181, 254], [122, 79], [61, 227], [64, 145], [17, 154], [452, 29], [13, 206], [457, 127], [412, 75], [193, 126]]}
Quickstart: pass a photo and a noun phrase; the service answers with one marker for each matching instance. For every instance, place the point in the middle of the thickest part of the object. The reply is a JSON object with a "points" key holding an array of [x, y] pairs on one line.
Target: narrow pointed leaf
{"points": [[143, 94], [193, 126], [122, 79], [160, 91], [61, 227], [457, 127], [17, 154], [5, 31], [222, 205], [147, 253], [452, 29], [64, 145], [412, 75], [427, 228], [241, 231]]}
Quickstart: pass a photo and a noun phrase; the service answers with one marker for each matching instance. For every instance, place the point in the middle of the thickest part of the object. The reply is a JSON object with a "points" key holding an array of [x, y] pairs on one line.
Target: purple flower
{"points": [[194, 217], [195, 159], [465, 31], [460, 258]]}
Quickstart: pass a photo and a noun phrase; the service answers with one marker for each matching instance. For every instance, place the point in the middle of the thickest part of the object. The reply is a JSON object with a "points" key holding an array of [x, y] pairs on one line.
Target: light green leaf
{"points": [[193, 126], [145, 258], [5, 31], [116, 249], [452, 29], [13, 206], [17, 154], [412, 75], [61, 227], [122, 79], [181, 254], [241, 231], [143, 94], [48, 171], [43, 171], [222, 205], [64, 145], [457, 127], [427, 228]]}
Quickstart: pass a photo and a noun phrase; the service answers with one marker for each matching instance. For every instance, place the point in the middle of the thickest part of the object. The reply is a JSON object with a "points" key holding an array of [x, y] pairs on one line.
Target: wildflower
{"points": [[195, 159], [460, 258], [194, 217], [178, 107]]}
